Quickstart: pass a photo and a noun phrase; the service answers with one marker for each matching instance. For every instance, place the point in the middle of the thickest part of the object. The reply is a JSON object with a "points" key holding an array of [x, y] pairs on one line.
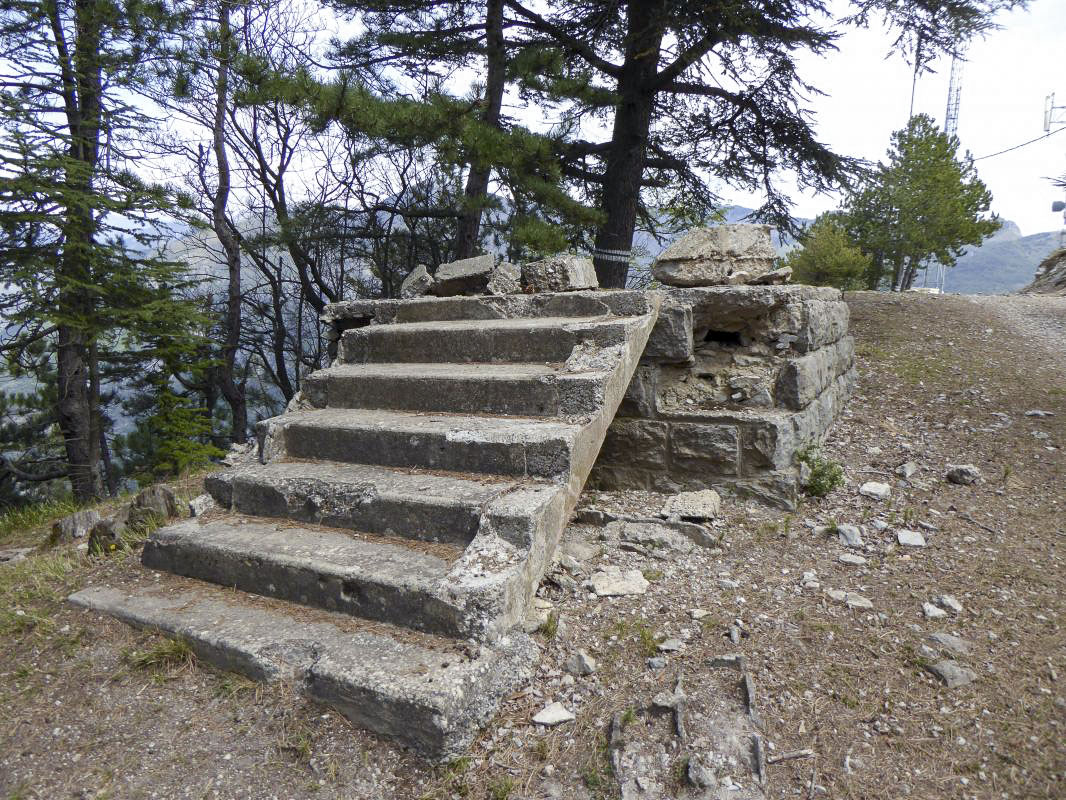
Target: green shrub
{"points": [[824, 474]]}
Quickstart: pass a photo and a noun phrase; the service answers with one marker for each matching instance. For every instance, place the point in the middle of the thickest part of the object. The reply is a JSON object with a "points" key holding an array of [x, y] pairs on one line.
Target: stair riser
{"points": [[529, 397], [355, 508], [406, 606], [430, 450], [386, 344]]}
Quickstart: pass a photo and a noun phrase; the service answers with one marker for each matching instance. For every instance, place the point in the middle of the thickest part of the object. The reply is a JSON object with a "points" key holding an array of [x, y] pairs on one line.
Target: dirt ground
{"points": [[844, 703]]}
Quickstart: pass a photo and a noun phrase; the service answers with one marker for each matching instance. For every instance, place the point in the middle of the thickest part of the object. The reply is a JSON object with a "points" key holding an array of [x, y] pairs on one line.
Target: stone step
{"points": [[470, 444], [537, 339], [533, 390], [435, 507], [377, 578], [426, 693]]}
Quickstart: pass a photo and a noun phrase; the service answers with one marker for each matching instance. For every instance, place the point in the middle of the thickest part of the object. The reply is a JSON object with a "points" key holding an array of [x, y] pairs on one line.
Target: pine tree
{"points": [[827, 256], [75, 221], [704, 89], [923, 207]]}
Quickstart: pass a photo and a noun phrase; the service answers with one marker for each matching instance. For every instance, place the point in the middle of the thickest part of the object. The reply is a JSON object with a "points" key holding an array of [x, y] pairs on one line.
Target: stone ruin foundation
{"points": [[735, 380]]}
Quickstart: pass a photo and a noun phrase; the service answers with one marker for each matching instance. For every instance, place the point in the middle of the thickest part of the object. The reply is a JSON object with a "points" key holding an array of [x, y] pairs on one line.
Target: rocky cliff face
{"points": [[1050, 275]]}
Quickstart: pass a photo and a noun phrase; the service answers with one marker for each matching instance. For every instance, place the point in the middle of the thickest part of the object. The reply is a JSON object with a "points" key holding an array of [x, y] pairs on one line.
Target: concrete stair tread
{"points": [[531, 323], [501, 388], [425, 484], [418, 504], [524, 339], [473, 426], [324, 549], [467, 370], [382, 578], [426, 692]]}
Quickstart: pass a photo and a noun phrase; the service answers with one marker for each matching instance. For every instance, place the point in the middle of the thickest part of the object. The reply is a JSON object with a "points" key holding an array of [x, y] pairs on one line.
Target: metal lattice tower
{"points": [[951, 116]]}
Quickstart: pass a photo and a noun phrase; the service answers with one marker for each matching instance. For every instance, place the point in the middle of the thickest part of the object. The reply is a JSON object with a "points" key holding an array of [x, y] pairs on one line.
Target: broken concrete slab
{"points": [[417, 283], [699, 506], [711, 256], [562, 272], [467, 276]]}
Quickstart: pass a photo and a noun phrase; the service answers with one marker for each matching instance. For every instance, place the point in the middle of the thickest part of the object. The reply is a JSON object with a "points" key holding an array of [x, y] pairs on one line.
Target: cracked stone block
{"points": [[635, 443], [712, 256], [671, 338], [705, 448]]}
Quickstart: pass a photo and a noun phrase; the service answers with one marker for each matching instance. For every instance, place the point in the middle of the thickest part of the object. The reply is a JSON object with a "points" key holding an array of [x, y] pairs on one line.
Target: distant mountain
{"points": [[1004, 263]]}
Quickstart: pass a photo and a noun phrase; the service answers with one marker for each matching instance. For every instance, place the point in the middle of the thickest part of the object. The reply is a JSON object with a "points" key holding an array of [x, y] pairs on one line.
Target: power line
{"points": [[1023, 144]]}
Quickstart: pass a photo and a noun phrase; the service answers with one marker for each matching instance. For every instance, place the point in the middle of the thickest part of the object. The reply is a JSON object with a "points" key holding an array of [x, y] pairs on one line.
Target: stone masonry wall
{"points": [[733, 382]]}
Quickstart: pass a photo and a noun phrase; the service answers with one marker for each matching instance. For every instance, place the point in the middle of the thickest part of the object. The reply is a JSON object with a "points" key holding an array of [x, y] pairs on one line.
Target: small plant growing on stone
{"points": [[550, 627], [823, 474], [652, 575]]}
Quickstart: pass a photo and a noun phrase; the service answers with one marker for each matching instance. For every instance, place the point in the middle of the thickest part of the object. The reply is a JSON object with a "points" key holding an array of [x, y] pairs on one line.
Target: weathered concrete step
{"points": [[432, 699], [516, 389], [374, 578], [435, 507], [546, 339], [490, 445]]}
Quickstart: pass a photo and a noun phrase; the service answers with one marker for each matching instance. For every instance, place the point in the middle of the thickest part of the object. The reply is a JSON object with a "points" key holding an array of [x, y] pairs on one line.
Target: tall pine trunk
{"points": [[81, 69], [629, 143], [231, 389], [477, 180]]}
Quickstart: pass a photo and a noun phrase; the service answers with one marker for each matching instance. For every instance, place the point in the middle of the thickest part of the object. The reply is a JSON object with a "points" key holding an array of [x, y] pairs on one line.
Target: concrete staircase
{"points": [[402, 513]]}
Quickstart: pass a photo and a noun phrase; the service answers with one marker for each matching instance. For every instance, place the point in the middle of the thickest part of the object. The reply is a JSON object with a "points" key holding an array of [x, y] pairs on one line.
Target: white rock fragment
{"points": [[852, 559], [909, 538], [552, 715], [1036, 412], [876, 490], [852, 600], [612, 582], [948, 603], [699, 613], [933, 612]]}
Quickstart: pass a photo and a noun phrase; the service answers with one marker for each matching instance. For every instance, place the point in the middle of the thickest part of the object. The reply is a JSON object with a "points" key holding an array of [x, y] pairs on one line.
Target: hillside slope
{"points": [[1050, 275]]}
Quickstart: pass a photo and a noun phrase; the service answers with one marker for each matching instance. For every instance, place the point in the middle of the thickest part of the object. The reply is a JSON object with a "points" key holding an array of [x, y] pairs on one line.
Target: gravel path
{"points": [[1041, 320]]}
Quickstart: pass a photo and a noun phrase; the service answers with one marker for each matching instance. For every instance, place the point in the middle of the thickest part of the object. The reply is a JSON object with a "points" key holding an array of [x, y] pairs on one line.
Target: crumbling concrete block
{"points": [[562, 272], [468, 276], [505, 279], [417, 283]]}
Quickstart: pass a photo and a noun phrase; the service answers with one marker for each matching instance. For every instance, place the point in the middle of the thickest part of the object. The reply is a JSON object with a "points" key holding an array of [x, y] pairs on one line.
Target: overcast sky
{"points": [[1005, 80]]}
